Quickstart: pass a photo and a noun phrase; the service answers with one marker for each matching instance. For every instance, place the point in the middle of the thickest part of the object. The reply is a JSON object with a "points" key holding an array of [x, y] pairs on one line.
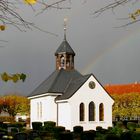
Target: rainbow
{"points": [[133, 37]]}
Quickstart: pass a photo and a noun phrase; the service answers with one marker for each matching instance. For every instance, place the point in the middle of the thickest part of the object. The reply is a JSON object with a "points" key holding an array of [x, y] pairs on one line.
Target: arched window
{"points": [[91, 111], [40, 109], [37, 110], [82, 112], [101, 112], [62, 61]]}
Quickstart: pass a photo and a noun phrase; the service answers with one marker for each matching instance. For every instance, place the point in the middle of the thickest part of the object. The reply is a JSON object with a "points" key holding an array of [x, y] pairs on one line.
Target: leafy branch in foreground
{"points": [[14, 77], [131, 18], [10, 16]]}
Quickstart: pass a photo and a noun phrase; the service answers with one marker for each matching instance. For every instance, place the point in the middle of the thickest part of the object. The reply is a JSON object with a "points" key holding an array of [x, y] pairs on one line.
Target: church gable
{"points": [[85, 86], [94, 86]]}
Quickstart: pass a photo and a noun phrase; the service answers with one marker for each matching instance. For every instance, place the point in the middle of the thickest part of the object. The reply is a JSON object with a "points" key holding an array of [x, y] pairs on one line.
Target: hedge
{"points": [[78, 129], [36, 125]]}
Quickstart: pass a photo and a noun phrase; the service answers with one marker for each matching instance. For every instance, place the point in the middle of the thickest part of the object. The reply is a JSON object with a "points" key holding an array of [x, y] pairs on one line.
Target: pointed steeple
{"points": [[65, 27], [65, 54]]}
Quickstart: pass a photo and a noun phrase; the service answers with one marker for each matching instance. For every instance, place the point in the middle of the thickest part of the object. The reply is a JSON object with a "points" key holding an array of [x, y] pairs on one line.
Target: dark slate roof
{"points": [[64, 48], [73, 87], [57, 82]]}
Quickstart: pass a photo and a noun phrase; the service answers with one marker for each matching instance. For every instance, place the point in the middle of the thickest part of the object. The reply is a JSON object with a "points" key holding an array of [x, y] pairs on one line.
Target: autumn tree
{"points": [[126, 105], [14, 104]]}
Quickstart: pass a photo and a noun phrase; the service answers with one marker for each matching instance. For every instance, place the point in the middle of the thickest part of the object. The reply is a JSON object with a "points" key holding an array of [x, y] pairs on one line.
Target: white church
{"points": [[69, 98]]}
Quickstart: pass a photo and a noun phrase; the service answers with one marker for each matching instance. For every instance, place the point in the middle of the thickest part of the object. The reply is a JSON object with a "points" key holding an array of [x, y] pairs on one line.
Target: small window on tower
{"points": [[62, 61]]}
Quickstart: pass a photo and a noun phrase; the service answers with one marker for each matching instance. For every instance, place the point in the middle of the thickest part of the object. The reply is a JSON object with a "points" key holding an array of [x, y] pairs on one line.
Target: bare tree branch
{"points": [[9, 16], [131, 19], [111, 6]]}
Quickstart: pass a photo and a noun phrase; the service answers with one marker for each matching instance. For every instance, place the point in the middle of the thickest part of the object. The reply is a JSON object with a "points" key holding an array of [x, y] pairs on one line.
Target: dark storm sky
{"points": [[111, 54]]}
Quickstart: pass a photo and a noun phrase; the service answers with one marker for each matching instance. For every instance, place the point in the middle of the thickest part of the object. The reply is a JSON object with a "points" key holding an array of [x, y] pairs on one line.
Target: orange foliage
{"points": [[123, 88]]}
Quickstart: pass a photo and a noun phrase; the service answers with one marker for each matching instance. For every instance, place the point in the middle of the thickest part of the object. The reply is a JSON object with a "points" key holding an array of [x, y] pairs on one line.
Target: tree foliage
{"points": [[14, 77], [14, 104], [126, 105]]}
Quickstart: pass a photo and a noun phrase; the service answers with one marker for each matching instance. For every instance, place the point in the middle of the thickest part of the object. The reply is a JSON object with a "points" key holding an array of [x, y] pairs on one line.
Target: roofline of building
{"points": [[62, 101], [45, 94]]}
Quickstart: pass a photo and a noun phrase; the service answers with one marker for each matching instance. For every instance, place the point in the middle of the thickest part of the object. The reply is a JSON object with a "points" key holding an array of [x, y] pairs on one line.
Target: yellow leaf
{"points": [[137, 12], [132, 17], [5, 77], [2, 27], [30, 1], [15, 78]]}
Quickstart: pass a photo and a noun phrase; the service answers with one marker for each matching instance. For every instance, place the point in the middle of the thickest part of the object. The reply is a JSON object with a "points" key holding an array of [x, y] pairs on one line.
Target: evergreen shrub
{"points": [[66, 136], [112, 137], [78, 129], [135, 136], [99, 128], [36, 125], [131, 126], [59, 129], [110, 129], [88, 135], [49, 124], [126, 136], [119, 124]]}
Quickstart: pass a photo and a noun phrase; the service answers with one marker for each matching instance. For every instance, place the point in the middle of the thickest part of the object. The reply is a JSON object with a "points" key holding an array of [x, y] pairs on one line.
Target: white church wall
{"points": [[43, 109], [50, 109], [64, 115], [86, 95]]}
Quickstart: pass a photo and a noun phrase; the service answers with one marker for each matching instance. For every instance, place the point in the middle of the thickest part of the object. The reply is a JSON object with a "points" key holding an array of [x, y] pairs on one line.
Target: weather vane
{"points": [[65, 27]]}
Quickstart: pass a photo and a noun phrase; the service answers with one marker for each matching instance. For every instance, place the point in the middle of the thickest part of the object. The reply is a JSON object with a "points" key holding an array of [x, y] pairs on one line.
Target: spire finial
{"points": [[65, 27]]}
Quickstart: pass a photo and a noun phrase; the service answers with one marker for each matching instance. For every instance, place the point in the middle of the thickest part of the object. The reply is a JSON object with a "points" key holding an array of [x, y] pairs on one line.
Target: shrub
{"points": [[99, 128], [126, 136], [117, 130], [88, 135], [131, 125], [36, 125], [112, 137], [59, 129], [49, 124], [78, 129], [66, 136], [136, 136], [119, 124], [109, 128]]}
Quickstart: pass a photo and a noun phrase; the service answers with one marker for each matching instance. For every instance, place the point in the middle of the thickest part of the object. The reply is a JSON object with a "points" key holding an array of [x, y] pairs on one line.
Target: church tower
{"points": [[64, 54]]}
